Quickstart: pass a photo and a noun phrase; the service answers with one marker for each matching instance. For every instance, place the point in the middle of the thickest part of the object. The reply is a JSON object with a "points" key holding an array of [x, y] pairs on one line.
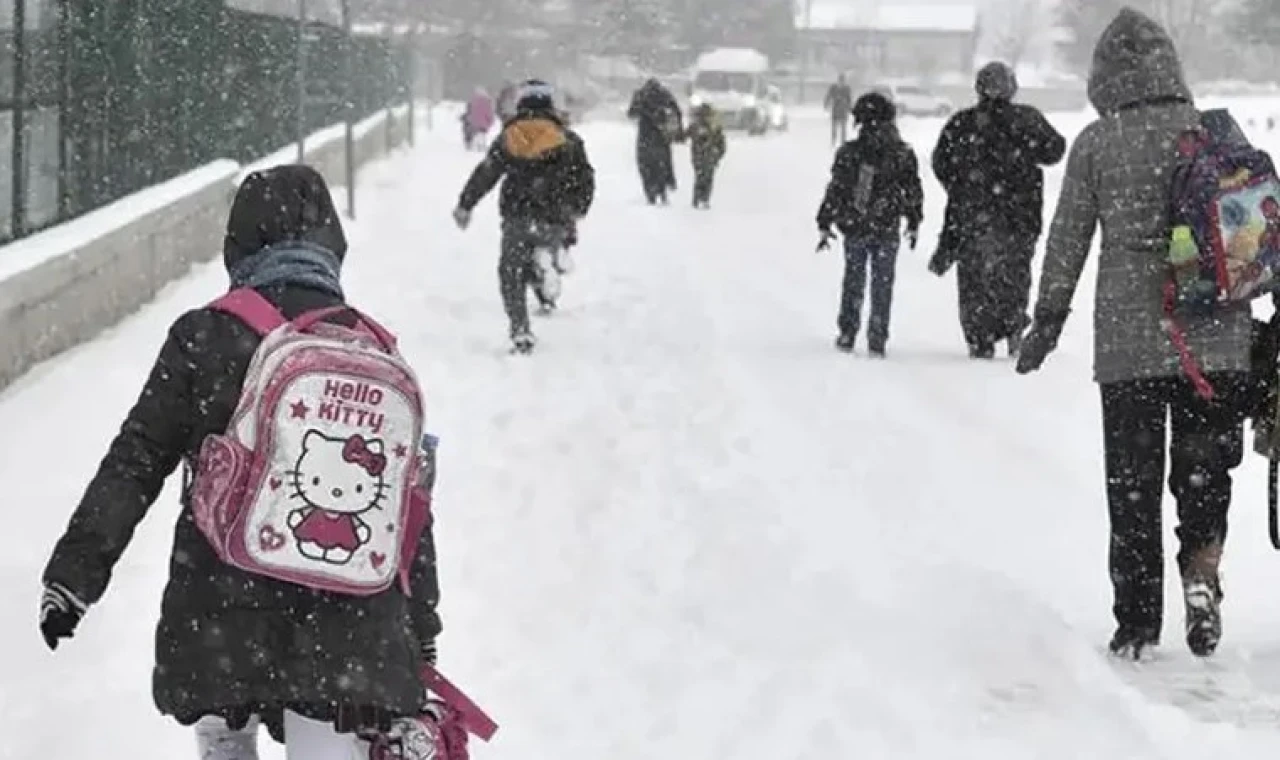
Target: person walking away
{"points": [[478, 118], [989, 160], [1119, 173], [548, 185], [838, 103], [234, 647], [874, 188], [506, 102], [707, 147], [659, 123]]}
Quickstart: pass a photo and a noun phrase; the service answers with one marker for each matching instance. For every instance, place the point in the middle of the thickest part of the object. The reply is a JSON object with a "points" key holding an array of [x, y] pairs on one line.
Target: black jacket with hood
{"points": [[548, 177], [874, 208], [989, 161], [229, 643]]}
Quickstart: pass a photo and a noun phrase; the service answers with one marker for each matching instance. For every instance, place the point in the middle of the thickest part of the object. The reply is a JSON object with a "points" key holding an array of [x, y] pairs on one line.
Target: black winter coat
{"points": [[229, 643], [548, 177], [875, 185], [989, 160], [658, 121], [707, 144]]}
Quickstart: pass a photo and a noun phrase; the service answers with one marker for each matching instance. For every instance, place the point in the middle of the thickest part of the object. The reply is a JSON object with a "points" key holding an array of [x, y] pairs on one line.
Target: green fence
{"points": [[100, 98]]}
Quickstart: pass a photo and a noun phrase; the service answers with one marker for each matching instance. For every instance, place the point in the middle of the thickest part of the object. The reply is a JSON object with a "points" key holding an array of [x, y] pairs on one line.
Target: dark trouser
{"points": [[704, 178], [1207, 443], [840, 127], [882, 256], [518, 265], [995, 287]]}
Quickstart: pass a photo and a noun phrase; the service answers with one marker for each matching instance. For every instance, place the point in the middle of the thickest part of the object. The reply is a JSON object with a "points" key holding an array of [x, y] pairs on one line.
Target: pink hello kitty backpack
{"points": [[314, 480]]}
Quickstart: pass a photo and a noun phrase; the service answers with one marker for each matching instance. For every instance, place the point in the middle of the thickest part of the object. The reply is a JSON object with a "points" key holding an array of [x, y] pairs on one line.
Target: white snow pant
{"points": [[304, 739]]}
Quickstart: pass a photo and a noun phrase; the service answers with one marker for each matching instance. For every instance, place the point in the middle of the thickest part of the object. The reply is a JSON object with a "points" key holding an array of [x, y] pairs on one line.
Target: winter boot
{"points": [[982, 351], [522, 342], [845, 342], [1130, 643], [1202, 596], [876, 351]]}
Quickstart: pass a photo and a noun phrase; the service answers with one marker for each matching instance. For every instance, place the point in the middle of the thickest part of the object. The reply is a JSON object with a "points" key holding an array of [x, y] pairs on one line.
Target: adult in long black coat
{"points": [[230, 644], [659, 122], [989, 160]]}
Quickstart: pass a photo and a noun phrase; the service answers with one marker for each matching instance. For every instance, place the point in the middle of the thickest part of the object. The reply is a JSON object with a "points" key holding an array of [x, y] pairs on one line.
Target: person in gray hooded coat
{"points": [[1118, 174]]}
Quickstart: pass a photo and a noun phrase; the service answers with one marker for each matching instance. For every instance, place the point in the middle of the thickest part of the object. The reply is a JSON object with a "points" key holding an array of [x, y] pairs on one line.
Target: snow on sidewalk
{"points": [[685, 527]]}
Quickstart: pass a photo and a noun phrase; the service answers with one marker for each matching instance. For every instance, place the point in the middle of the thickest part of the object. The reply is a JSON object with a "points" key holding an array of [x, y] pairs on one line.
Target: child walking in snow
{"points": [[875, 185], [707, 147], [236, 648]]}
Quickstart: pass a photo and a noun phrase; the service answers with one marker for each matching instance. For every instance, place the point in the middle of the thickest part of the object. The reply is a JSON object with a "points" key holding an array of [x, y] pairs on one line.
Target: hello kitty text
{"points": [[350, 405]]}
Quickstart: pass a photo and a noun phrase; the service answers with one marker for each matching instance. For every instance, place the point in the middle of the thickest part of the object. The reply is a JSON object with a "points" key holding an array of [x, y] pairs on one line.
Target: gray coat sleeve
{"points": [[1071, 234]]}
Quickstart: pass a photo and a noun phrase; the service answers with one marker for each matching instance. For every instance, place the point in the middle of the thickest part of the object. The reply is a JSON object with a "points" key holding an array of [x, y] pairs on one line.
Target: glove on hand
{"points": [[462, 218], [824, 242], [913, 237], [430, 653], [60, 613], [1040, 342]]}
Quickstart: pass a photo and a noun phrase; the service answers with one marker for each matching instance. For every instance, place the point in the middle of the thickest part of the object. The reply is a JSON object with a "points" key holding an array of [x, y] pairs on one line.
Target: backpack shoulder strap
{"points": [[251, 308]]}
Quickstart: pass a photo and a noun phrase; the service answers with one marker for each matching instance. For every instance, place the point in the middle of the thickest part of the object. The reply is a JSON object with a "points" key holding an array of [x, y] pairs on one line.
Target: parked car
{"points": [[914, 100], [775, 110]]}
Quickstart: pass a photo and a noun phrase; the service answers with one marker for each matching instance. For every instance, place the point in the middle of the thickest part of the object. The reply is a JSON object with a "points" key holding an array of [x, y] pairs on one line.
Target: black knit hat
{"points": [[280, 205], [996, 81], [874, 108]]}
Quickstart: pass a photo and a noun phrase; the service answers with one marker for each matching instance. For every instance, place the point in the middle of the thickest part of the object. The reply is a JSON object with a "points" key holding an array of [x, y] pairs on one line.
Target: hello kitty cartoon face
{"points": [[340, 475]]}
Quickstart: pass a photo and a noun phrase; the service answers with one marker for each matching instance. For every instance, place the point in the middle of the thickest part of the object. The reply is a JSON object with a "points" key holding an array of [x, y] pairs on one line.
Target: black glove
{"points": [[60, 613], [571, 235], [1040, 342], [913, 237], [824, 242], [939, 264]]}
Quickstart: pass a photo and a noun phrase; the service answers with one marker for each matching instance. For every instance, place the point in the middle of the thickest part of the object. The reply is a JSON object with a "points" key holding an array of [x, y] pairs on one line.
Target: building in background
{"points": [[889, 41]]}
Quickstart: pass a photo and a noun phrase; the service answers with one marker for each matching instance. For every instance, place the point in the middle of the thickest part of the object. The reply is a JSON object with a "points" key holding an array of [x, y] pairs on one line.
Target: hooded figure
{"points": [[548, 184], [478, 117], [1119, 174], [707, 147], [233, 648], [989, 160], [874, 188], [659, 123]]}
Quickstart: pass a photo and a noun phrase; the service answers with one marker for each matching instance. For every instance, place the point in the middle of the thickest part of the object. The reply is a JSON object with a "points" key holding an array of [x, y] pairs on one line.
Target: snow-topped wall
{"points": [[67, 284]]}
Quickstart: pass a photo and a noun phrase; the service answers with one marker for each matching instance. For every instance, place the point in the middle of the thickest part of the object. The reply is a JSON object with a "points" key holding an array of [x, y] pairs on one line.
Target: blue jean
{"points": [[882, 257]]}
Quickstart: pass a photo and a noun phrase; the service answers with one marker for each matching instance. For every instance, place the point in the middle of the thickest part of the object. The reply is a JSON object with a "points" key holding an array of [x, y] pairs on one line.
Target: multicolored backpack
{"points": [[314, 481], [1224, 248]]}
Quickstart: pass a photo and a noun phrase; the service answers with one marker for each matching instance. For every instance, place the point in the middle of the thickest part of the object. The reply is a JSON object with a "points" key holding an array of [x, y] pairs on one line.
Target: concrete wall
{"points": [[67, 284]]}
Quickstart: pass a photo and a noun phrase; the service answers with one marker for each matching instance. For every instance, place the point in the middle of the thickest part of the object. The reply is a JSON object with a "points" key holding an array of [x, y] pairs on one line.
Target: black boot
{"points": [[845, 342], [1130, 643], [982, 351]]}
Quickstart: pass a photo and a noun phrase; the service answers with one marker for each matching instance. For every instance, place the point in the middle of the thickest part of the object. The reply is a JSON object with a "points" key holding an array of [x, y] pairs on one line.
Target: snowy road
{"points": [[687, 527]]}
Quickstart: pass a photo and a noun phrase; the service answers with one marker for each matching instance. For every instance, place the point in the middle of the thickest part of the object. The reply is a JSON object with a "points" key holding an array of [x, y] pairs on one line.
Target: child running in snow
{"points": [[548, 185], [707, 147], [235, 648], [875, 185]]}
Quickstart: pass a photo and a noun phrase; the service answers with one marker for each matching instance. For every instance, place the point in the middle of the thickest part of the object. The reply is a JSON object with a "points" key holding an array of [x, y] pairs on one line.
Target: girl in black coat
{"points": [[233, 648]]}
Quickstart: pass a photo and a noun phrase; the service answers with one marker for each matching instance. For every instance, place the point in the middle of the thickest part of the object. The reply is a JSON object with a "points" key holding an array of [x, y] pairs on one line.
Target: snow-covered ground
{"points": [[686, 527]]}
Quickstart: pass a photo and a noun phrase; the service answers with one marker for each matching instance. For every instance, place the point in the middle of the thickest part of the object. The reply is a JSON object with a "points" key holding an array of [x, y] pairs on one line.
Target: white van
{"points": [[733, 81]]}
